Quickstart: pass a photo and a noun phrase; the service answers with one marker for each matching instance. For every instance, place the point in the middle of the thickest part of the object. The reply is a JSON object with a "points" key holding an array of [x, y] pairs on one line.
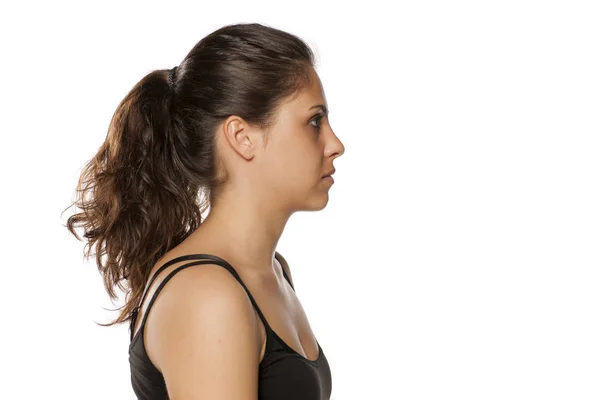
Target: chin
{"points": [[316, 200], [317, 203]]}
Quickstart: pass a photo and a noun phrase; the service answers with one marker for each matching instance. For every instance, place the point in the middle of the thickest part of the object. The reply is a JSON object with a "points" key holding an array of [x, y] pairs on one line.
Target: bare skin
{"points": [[268, 183]]}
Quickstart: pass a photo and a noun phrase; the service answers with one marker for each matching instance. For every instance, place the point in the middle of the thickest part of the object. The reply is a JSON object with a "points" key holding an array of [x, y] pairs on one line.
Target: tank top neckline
{"points": [[211, 259]]}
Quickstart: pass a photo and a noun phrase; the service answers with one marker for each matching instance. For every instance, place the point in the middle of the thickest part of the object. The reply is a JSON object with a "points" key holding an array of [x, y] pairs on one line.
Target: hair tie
{"points": [[171, 78]]}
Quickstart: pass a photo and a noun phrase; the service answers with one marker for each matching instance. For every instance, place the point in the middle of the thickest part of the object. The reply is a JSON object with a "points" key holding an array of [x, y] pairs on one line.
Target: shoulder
{"points": [[199, 292], [206, 327]]}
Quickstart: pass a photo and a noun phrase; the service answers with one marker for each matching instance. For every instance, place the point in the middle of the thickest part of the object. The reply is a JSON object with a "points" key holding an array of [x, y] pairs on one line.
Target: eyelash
{"points": [[318, 119]]}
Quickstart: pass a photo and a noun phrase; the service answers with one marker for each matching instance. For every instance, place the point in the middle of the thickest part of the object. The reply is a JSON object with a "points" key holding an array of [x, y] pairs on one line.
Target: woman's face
{"points": [[300, 150], [283, 168]]}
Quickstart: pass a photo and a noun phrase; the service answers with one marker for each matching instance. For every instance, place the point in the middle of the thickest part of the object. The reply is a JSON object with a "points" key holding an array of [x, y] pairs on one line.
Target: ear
{"points": [[240, 136]]}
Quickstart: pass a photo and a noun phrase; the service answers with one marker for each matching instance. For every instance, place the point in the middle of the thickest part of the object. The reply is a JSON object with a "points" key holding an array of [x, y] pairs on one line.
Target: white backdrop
{"points": [[458, 257]]}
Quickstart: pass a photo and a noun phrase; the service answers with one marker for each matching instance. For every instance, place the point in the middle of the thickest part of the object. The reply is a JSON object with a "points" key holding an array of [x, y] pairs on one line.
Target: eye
{"points": [[318, 121]]}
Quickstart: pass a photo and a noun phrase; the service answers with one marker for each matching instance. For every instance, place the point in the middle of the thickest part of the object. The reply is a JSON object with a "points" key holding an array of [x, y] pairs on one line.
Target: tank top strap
{"points": [[201, 259], [278, 257]]}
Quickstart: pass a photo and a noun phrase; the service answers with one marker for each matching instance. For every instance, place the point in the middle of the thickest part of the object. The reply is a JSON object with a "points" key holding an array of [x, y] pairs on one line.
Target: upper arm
{"points": [[207, 344]]}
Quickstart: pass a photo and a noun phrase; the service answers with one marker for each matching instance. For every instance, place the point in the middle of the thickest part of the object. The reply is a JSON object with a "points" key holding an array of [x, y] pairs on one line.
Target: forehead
{"points": [[311, 94], [315, 87]]}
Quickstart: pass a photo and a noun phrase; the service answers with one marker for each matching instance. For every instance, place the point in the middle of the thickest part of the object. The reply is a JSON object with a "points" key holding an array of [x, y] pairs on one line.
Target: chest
{"points": [[285, 315]]}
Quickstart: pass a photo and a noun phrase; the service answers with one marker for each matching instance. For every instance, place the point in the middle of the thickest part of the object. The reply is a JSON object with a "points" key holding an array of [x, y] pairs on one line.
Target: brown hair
{"points": [[140, 195]]}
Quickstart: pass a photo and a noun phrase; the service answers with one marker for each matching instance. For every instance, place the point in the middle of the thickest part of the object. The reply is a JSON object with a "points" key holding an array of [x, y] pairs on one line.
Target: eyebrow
{"points": [[322, 107]]}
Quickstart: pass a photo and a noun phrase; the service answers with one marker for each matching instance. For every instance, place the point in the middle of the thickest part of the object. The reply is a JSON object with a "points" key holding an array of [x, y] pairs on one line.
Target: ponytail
{"points": [[136, 196]]}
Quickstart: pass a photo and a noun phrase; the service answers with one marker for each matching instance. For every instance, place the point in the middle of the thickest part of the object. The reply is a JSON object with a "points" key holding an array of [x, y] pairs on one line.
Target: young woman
{"points": [[243, 121]]}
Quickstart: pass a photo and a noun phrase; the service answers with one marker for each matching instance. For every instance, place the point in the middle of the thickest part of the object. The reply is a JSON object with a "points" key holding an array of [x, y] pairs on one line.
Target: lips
{"points": [[329, 173]]}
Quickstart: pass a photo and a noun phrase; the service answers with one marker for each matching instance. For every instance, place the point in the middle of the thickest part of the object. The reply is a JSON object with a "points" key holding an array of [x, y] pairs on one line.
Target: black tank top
{"points": [[283, 373]]}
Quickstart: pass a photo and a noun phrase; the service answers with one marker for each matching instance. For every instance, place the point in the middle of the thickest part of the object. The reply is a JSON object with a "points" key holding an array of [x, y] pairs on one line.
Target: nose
{"points": [[338, 146], [342, 148]]}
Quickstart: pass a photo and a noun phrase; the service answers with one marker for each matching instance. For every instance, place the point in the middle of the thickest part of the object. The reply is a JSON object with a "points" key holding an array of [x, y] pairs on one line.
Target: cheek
{"points": [[295, 163], [304, 162]]}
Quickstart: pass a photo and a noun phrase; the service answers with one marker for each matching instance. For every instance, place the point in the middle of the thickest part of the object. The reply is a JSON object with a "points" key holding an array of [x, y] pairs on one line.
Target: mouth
{"points": [[329, 173], [328, 178]]}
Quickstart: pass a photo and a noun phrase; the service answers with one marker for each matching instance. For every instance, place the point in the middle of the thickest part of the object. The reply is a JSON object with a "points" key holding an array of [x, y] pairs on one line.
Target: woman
{"points": [[242, 120]]}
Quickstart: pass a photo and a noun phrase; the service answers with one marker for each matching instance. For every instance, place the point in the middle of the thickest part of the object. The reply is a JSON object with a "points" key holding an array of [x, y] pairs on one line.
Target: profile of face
{"points": [[287, 171]]}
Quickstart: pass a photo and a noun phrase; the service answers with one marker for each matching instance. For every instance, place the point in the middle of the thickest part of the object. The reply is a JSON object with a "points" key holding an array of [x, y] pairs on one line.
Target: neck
{"points": [[246, 231]]}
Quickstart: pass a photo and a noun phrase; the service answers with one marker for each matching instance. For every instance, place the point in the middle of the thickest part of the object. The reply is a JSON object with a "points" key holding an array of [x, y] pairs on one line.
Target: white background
{"points": [[458, 257]]}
